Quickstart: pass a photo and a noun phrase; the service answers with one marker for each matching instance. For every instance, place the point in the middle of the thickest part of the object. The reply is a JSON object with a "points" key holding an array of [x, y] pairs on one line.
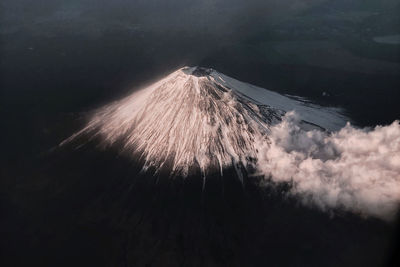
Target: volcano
{"points": [[199, 119]]}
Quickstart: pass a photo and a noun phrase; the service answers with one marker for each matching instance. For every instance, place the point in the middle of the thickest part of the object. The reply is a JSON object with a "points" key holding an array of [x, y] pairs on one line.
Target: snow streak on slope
{"points": [[199, 119], [186, 120]]}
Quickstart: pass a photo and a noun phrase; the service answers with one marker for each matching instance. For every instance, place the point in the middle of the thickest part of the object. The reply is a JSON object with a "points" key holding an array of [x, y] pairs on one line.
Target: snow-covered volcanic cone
{"points": [[198, 119]]}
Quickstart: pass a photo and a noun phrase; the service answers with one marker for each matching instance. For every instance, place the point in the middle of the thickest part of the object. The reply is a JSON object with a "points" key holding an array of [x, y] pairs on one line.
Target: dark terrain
{"points": [[88, 207]]}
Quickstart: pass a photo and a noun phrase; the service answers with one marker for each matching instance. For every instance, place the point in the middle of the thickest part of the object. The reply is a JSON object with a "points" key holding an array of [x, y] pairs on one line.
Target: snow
{"points": [[329, 118]]}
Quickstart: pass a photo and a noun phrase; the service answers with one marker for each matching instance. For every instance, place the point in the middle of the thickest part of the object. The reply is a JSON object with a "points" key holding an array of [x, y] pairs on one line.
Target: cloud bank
{"points": [[353, 169]]}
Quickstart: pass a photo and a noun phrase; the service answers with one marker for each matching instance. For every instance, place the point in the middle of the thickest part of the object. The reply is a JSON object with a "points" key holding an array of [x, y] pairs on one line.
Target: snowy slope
{"points": [[328, 118]]}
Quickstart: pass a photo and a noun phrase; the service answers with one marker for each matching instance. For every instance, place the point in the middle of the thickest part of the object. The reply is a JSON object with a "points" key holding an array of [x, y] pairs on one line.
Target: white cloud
{"points": [[354, 169]]}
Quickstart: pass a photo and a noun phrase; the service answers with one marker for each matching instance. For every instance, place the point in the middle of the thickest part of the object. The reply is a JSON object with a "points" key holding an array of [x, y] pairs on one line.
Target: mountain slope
{"points": [[197, 118]]}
